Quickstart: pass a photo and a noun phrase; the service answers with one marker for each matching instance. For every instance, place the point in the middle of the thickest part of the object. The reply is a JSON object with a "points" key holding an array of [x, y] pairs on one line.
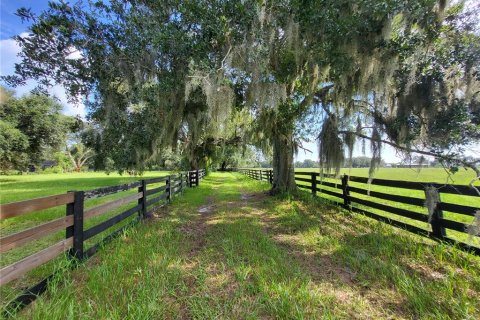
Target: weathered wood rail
{"points": [[146, 200], [360, 199]]}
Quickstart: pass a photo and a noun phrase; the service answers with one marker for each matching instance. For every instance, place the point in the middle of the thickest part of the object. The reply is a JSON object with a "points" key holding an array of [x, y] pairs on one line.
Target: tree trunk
{"points": [[194, 164], [283, 169], [224, 166]]}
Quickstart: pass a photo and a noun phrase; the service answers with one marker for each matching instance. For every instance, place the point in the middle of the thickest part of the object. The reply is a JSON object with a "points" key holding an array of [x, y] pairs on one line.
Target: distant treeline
{"points": [[357, 162], [364, 162]]}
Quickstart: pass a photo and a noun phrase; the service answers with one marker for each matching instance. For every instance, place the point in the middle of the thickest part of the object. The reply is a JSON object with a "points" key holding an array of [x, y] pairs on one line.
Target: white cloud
{"points": [[9, 50]]}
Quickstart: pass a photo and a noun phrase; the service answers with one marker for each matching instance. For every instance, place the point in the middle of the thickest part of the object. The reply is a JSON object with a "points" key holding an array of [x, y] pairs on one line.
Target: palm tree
{"points": [[79, 155]]}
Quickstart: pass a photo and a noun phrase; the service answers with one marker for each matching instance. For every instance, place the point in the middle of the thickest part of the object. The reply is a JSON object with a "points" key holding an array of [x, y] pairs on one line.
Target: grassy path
{"points": [[227, 251]]}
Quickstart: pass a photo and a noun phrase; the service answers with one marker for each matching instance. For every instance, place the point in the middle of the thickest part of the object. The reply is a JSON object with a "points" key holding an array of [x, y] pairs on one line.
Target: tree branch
{"points": [[87, 155], [467, 164], [72, 159], [318, 96]]}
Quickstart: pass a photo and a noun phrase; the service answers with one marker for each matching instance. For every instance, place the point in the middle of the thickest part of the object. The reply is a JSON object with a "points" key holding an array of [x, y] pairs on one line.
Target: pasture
{"points": [[439, 175], [224, 84], [227, 250], [22, 187], [290, 217]]}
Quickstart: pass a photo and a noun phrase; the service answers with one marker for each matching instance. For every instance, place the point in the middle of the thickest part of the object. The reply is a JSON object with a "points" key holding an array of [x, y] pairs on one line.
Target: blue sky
{"points": [[11, 25]]}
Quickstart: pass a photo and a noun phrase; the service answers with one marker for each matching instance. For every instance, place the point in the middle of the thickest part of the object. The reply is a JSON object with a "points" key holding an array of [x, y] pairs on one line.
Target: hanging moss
{"points": [[331, 152], [473, 229], [376, 149], [397, 65], [349, 140]]}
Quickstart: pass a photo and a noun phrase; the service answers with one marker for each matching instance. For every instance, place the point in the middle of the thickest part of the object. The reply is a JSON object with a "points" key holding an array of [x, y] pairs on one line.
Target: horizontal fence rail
{"points": [[359, 198], [148, 196]]}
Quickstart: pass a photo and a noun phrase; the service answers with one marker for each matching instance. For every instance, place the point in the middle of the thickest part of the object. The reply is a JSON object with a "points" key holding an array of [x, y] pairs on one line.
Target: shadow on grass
{"points": [[266, 257], [374, 259]]}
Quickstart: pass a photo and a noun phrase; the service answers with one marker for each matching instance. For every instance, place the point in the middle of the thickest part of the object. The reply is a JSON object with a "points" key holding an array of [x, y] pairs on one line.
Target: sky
{"points": [[11, 25], [389, 154]]}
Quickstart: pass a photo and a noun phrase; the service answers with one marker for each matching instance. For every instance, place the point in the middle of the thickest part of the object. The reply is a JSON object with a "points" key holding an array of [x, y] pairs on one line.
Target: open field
{"points": [[439, 175], [411, 174], [407, 174], [226, 250], [23, 187]]}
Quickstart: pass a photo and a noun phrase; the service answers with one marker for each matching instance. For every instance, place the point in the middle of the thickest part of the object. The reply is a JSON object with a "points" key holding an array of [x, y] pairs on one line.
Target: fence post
{"points": [[432, 201], [314, 183], [197, 180], [78, 204], [346, 192], [143, 200], [69, 230], [168, 190], [181, 182], [271, 176]]}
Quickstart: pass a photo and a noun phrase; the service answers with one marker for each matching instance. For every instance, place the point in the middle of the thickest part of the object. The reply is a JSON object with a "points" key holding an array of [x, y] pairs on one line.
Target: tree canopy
{"points": [[32, 127], [160, 73]]}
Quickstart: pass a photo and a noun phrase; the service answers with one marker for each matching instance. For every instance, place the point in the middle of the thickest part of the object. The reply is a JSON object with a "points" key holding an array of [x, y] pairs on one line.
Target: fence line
{"points": [[73, 223], [432, 191]]}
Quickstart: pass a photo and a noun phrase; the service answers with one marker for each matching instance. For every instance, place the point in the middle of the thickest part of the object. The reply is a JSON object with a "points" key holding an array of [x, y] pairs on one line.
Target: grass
{"points": [[23, 187], [438, 175], [411, 174], [251, 256]]}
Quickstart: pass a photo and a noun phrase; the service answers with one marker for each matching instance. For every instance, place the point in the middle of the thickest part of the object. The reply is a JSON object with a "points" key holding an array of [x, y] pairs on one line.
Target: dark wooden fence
{"points": [[353, 193], [145, 201]]}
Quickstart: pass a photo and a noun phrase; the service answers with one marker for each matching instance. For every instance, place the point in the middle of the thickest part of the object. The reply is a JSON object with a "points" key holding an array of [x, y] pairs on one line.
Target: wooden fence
{"points": [[146, 200], [353, 193]]}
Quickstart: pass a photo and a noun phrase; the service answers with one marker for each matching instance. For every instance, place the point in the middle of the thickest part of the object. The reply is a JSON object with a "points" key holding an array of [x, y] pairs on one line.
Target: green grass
{"points": [[252, 256], [411, 174], [24, 187], [463, 177]]}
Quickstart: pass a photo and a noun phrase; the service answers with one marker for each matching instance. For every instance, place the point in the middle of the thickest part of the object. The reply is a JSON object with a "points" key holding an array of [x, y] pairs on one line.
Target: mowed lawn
{"points": [[227, 250], [25, 187], [28, 186]]}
